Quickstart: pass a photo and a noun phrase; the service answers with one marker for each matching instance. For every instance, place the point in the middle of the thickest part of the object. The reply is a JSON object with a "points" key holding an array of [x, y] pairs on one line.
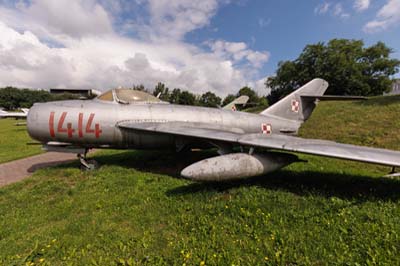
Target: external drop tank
{"points": [[237, 166]]}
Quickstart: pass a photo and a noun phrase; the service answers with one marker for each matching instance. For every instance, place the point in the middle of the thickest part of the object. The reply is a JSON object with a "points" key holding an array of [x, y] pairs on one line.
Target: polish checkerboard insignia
{"points": [[266, 129], [295, 106]]}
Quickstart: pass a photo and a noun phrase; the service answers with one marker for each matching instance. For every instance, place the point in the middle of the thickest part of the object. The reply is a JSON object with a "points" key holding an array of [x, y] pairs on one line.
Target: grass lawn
{"points": [[135, 210], [13, 141]]}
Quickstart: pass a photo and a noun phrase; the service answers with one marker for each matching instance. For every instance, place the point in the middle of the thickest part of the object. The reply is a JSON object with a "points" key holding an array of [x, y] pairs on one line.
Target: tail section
{"points": [[295, 107], [242, 100]]}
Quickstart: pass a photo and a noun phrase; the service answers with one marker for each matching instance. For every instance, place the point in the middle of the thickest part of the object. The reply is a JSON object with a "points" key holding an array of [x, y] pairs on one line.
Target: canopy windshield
{"points": [[107, 96], [128, 96]]}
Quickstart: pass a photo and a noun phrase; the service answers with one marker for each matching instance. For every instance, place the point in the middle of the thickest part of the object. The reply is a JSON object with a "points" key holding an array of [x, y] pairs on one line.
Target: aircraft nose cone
{"points": [[32, 121]]}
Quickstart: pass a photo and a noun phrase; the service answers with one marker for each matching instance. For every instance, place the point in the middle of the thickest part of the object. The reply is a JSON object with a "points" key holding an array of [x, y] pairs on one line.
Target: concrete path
{"points": [[17, 170]]}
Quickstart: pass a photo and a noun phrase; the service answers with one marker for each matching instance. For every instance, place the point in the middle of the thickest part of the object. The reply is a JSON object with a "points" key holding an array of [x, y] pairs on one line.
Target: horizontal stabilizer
{"points": [[334, 97]]}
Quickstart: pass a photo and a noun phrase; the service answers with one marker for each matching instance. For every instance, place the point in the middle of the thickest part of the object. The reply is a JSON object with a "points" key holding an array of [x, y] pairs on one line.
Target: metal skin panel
{"points": [[109, 114]]}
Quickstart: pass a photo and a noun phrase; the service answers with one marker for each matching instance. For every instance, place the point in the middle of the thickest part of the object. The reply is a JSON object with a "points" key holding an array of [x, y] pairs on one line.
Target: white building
{"points": [[395, 87]]}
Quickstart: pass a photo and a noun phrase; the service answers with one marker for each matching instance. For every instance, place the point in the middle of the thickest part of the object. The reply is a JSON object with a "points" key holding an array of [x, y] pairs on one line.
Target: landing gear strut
{"points": [[87, 165], [393, 173]]}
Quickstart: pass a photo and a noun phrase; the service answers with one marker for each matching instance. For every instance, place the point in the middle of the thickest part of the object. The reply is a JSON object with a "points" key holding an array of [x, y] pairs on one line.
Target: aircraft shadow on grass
{"points": [[360, 188], [345, 186]]}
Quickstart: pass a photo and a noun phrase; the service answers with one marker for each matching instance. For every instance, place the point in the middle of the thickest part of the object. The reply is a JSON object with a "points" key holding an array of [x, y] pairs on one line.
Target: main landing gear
{"points": [[393, 173], [87, 165]]}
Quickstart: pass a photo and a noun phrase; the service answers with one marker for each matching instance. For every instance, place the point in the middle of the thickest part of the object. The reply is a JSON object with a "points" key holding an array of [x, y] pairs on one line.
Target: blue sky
{"points": [[216, 45], [284, 27]]}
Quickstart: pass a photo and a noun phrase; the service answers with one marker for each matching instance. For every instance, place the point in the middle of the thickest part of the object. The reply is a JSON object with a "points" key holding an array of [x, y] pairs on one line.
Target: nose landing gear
{"points": [[87, 165]]}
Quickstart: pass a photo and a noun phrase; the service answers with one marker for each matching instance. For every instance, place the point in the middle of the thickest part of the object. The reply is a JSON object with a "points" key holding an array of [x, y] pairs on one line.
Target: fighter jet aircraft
{"points": [[242, 100], [127, 119], [16, 115]]}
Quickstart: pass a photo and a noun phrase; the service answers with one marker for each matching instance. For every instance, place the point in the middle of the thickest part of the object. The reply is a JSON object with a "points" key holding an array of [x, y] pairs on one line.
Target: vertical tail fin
{"points": [[242, 100], [297, 108]]}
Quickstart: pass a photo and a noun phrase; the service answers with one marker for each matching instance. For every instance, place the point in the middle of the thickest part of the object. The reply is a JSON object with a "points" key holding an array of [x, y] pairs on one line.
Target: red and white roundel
{"points": [[233, 108], [295, 106], [266, 129]]}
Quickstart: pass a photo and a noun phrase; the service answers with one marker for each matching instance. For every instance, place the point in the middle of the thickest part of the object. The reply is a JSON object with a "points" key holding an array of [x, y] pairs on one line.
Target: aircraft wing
{"points": [[4, 114], [278, 142]]}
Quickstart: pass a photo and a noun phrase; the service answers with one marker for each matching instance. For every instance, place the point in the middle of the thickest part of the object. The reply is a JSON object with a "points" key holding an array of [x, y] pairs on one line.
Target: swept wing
{"points": [[275, 141]]}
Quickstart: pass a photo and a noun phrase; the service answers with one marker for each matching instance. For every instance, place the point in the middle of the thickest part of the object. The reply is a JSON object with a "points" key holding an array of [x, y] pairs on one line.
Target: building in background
{"points": [[86, 93], [395, 87]]}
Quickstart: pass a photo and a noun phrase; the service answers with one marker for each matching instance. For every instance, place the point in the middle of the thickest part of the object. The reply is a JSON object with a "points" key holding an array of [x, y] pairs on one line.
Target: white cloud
{"points": [[327, 8], [95, 63], [338, 11], [238, 51], [361, 5], [42, 47], [176, 18], [387, 16], [262, 22], [322, 8], [48, 18], [259, 87]]}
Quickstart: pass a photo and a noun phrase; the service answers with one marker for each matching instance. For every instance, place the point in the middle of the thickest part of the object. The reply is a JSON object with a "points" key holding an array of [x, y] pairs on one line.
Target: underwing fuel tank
{"points": [[237, 166]]}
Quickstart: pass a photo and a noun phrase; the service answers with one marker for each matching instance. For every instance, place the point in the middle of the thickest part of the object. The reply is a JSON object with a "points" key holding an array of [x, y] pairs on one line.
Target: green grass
{"points": [[375, 122], [135, 210], [13, 141]]}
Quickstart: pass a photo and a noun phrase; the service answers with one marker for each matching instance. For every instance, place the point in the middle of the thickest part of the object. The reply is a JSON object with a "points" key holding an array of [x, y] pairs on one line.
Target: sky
{"points": [[208, 45]]}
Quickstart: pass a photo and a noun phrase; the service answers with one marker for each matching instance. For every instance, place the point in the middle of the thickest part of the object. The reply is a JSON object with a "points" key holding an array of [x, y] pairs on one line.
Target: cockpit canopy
{"points": [[127, 96]]}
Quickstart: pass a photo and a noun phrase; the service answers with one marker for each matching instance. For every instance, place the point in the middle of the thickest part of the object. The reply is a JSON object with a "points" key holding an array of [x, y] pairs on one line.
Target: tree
{"points": [[209, 99], [162, 90], [12, 98], [187, 98], [253, 97], [139, 87], [229, 98], [174, 96], [182, 97], [349, 67]]}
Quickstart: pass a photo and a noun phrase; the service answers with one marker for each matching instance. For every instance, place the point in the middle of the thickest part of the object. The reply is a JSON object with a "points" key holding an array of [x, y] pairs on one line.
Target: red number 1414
{"points": [[69, 130]]}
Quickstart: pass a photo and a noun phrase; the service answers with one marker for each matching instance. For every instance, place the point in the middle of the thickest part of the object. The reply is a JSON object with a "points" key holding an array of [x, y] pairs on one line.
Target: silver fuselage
{"points": [[94, 124]]}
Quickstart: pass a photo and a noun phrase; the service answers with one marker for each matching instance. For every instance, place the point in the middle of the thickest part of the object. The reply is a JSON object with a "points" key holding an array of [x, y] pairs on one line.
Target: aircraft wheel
{"points": [[90, 165]]}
